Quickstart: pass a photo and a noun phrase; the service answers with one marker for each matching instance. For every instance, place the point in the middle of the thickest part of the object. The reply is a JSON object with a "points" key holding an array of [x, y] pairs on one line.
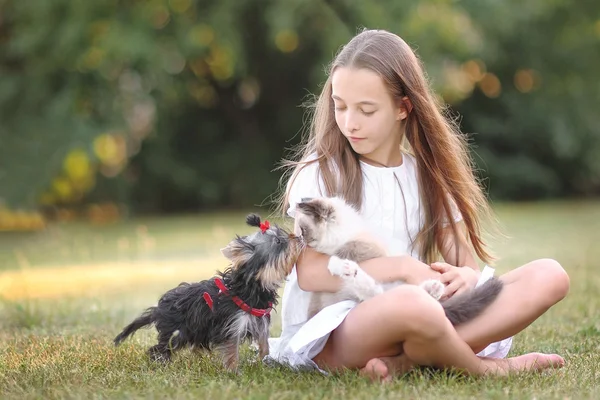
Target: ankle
{"points": [[494, 367]]}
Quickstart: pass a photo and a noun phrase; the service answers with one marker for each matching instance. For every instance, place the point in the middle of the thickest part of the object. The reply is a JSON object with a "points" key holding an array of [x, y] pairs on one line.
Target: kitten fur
{"points": [[183, 317], [333, 227]]}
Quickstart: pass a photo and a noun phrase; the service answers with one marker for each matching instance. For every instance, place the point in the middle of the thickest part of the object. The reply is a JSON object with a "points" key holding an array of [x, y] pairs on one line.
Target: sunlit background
{"points": [[135, 135]]}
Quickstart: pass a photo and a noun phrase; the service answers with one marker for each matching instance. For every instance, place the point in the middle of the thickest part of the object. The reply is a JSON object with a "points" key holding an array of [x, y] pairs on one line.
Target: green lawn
{"points": [[56, 340]]}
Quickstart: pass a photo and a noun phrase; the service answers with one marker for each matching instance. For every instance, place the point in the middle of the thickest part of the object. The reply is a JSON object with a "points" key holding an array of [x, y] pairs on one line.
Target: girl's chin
{"points": [[360, 148]]}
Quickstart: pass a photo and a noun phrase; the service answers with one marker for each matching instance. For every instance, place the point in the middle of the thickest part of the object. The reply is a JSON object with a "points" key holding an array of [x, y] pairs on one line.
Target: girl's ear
{"points": [[404, 108]]}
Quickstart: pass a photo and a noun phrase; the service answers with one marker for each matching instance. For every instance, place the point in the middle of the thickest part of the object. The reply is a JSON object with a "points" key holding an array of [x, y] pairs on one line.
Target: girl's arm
{"points": [[466, 257], [456, 278], [313, 275]]}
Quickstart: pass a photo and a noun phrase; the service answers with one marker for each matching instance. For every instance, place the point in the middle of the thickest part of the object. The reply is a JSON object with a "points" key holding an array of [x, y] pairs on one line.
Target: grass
{"points": [[66, 292]]}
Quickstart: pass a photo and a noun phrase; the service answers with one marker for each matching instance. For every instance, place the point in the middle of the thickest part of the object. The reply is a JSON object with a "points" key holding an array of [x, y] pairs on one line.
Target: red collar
{"points": [[257, 312]]}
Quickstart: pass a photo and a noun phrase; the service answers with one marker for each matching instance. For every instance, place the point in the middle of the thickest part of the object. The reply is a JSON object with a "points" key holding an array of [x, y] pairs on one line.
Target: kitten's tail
{"points": [[143, 320], [465, 307]]}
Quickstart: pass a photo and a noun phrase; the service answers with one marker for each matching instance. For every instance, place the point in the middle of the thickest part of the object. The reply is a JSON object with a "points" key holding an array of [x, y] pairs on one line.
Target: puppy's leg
{"points": [[356, 282], [230, 353], [163, 351], [263, 344]]}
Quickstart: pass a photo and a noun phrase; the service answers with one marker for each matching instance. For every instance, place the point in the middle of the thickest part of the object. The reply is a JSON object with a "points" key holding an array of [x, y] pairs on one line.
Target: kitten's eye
{"points": [[277, 240]]}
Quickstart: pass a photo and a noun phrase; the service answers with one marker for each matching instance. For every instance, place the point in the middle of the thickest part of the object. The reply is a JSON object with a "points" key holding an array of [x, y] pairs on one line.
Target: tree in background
{"points": [[175, 105]]}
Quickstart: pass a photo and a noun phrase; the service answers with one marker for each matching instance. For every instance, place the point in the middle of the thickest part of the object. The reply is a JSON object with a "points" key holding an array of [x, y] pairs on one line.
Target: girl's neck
{"points": [[392, 160]]}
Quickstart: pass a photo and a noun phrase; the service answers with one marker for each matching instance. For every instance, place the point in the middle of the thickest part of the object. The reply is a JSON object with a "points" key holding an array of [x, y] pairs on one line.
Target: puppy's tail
{"points": [[143, 320], [465, 307]]}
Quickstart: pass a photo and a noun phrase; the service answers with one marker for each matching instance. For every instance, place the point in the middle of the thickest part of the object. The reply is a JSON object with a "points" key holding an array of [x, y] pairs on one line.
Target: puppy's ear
{"points": [[227, 251], [253, 220], [238, 250]]}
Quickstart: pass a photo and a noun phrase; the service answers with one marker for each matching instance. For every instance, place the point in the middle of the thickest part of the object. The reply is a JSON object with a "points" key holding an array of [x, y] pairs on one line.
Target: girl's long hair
{"points": [[445, 168]]}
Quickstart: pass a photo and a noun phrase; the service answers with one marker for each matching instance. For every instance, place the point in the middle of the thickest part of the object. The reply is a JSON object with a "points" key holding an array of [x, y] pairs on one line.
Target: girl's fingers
{"points": [[461, 290], [448, 277], [452, 288], [441, 267]]}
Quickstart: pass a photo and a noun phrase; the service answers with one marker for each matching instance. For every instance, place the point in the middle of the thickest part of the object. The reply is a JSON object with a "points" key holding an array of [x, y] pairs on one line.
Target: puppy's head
{"points": [[267, 255]]}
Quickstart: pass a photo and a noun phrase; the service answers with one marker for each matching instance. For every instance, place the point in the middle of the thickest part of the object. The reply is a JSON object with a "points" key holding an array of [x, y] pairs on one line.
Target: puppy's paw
{"points": [[342, 267], [434, 288]]}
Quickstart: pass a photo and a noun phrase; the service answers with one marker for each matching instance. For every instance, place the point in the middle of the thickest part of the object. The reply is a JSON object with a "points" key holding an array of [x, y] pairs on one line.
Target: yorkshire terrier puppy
{"points": [[234, 306]]}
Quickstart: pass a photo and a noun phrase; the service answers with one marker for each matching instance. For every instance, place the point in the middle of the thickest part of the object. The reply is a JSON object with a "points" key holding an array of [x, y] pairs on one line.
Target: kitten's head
{"points": [[317, 217], [266, 256]]}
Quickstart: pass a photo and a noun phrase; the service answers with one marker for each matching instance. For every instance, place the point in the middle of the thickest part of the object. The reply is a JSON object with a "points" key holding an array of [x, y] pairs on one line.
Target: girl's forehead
{"points": [[357, 85]]}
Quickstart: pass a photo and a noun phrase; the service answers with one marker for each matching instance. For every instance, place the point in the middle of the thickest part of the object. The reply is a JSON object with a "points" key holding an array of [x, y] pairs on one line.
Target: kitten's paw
{"points": [[434, 288], [342, 267]]}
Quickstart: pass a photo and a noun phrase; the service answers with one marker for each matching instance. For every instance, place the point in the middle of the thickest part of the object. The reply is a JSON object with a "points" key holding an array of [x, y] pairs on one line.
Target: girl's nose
{"points": [[351, 123]]}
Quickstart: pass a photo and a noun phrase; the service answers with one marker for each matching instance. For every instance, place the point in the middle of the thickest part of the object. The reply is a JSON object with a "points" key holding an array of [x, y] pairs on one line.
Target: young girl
{"points": [[426, 202]]}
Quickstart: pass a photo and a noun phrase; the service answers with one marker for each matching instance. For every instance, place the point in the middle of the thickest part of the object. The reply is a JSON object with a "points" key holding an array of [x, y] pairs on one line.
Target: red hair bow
{"points": [[264, 226]]}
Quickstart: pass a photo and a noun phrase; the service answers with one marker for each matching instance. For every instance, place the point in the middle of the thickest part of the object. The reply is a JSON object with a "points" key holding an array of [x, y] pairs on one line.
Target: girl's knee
{"points": [[419, 313], [553, 277]]}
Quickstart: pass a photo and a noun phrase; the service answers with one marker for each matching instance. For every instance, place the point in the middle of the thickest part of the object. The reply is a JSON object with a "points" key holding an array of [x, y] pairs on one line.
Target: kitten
{"points": [[333, 227]]}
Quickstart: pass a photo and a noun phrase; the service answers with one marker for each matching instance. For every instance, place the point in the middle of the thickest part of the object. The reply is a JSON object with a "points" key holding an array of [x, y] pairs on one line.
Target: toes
{"points": [[376, 370]]}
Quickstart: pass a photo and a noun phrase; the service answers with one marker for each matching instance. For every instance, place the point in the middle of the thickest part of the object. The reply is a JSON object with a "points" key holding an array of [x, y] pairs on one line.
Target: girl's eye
{"points": [[368, 113]]}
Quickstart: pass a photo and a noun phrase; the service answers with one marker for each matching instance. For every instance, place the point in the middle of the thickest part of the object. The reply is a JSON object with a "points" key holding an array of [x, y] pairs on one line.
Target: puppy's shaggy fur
{"points": [[213, 316]]}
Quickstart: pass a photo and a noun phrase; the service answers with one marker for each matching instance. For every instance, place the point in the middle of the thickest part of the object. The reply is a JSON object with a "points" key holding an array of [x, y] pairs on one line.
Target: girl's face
{"points": [[367, 115]]}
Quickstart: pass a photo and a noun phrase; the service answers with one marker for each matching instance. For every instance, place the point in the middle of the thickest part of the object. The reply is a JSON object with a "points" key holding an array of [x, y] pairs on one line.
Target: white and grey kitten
{"points": [[331, 226]]}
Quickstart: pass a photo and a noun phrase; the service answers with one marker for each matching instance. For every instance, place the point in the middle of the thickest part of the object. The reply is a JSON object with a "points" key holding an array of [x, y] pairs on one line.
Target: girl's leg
{"points": [[406, 319], [528, 292]]}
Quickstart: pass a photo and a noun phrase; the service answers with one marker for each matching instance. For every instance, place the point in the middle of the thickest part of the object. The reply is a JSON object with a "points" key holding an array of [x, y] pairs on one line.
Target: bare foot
{"points": [[376, 370], [385, 368], [526, 362], [536, 362]]}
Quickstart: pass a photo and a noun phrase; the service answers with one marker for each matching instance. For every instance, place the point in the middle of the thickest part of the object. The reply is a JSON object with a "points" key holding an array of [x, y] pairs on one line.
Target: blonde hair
{"points": [[445, 169]]}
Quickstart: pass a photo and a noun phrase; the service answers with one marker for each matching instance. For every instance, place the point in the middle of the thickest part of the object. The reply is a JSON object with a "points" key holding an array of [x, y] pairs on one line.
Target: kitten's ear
{"points": [[318, 210], [238, 249], [308, 207], [328, 213]]}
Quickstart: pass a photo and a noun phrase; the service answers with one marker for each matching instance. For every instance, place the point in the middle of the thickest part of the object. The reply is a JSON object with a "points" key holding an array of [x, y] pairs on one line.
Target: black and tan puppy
{"points": [[234, 306]]}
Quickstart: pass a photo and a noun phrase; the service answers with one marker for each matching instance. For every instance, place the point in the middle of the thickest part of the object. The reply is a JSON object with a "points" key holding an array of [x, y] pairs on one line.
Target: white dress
{"points": [[383, 207]]}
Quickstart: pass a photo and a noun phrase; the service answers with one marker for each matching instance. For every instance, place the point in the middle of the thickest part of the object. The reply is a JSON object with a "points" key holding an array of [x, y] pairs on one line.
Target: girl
{"points": [[425, 202]]}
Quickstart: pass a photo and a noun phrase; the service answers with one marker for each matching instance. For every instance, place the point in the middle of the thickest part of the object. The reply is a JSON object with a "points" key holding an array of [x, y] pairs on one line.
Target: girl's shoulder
{"points": [[305, 181], [306, 172], [409, 162]]}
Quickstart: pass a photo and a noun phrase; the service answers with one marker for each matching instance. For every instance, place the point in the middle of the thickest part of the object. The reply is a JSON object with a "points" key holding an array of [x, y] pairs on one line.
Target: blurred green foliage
{"points": [[172, 105]]}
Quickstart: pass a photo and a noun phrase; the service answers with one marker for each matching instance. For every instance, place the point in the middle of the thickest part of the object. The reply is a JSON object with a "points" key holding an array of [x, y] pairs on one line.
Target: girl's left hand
{"points": [[456, 279]]}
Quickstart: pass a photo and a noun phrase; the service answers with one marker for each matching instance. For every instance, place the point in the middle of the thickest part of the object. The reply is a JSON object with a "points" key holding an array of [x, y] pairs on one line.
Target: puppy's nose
{"points": [[295, 237]]}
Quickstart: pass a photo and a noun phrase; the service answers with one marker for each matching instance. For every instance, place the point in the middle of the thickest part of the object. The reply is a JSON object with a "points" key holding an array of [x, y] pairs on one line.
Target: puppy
{"points": [[234, 306]]}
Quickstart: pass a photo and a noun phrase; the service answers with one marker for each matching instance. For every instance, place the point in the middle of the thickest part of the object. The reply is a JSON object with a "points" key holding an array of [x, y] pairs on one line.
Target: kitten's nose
{"points": [[305, 199]]}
